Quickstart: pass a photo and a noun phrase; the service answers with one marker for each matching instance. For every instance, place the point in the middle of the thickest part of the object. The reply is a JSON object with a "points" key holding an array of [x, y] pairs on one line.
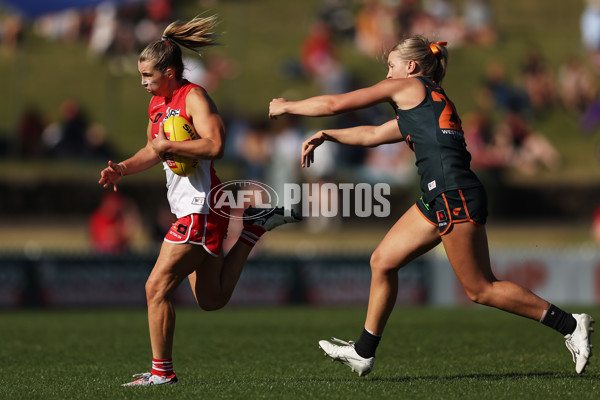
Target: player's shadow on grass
{"points": [[408, 379], [490, 377]]}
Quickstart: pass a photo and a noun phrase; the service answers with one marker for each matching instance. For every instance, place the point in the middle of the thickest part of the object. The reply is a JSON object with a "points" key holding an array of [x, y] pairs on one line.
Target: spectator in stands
{"points": [[479, 133], [29, 133], [97, 146], [444, 21], [319, 59], [538, 81], [478, 22], [590, 30], [376, 27], [596, 225], [253, 147], [103, 29], [72, 127], [496, 90], [317, 48], [577, 86], [113, 224], [11, 33], [285, 139], [527, 150]]}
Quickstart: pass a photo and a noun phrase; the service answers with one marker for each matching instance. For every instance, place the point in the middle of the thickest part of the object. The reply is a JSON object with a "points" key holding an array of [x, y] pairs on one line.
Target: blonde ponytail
{"points": [[432, 57], [193, 35]]}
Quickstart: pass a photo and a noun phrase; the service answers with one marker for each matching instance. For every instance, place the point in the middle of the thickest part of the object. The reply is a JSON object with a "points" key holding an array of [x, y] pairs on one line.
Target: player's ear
{"points": [[170, 72], [411, 66]]}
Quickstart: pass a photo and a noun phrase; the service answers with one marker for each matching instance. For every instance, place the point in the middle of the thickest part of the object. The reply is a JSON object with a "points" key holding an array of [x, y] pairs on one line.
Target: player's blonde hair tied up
{"points": [[432, 57]]}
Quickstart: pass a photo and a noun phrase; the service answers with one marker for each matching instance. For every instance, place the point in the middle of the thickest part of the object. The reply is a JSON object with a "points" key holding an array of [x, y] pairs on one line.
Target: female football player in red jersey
{"points": [[452, 209], [193, 246]]}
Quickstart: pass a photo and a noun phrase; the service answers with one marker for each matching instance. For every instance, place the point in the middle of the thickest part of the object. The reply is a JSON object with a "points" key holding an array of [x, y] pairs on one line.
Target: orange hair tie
{"points": [[434, 47]]}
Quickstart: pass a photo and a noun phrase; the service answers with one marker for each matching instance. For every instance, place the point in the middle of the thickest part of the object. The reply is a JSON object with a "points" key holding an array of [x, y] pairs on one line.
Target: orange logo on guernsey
{"points": [[456, 211]]}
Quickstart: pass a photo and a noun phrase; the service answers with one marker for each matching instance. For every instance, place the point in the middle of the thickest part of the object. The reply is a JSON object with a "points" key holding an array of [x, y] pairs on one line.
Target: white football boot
{"points": [[269, 218], [578, 342], [147, 379], [346, 354]]}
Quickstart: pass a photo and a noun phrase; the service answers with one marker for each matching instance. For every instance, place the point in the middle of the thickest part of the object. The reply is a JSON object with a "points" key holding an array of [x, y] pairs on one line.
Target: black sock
{"points": [[559, 320], [367, 344]]}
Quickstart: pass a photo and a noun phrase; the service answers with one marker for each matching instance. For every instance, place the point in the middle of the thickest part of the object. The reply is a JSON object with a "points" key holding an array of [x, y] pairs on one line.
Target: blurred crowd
{"points": [[69, 136], [499, 130]]}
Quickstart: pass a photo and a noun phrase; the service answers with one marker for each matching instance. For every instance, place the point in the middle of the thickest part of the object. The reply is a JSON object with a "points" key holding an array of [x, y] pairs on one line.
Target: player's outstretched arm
{"points": [[326, 105], [365, 136]]}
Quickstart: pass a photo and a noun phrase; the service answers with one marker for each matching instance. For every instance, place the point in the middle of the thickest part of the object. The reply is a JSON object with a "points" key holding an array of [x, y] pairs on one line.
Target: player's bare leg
{"points": [[467, 249], [214, 281], [411, 236], [175, 262]]}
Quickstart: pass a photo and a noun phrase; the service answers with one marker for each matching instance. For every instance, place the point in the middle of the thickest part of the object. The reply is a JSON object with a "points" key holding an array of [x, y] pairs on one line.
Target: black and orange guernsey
{"points": [[434, 132]]}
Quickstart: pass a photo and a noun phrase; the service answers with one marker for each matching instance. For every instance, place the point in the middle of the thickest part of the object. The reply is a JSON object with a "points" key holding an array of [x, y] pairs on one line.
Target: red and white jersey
{"points": [[186, 195]]}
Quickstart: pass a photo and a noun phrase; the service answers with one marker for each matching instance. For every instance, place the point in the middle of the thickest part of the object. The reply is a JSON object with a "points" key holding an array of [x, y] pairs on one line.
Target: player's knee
{"points": [[154, 291], [212, 304], [380, 263]]}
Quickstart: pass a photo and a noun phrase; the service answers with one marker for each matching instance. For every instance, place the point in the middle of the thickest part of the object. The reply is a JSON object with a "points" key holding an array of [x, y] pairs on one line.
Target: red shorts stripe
{"points": [[207, 230]]}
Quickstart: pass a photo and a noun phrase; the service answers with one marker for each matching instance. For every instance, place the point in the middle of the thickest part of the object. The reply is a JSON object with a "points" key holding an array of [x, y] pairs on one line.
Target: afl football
{"points": [[180, 129]]}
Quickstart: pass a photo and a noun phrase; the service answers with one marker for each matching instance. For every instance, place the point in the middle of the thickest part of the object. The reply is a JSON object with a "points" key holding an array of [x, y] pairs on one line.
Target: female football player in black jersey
{"points": [[452, 209]]}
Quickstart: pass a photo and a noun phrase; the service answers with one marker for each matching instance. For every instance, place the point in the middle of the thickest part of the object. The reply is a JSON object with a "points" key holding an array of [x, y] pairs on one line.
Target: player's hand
{"points": [[111, 175], [276, 107], [309, 146], [160, 142]]}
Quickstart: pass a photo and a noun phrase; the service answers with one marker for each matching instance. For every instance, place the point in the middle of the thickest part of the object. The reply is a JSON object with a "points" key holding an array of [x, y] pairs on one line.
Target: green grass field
{"points": [[427, 353]]}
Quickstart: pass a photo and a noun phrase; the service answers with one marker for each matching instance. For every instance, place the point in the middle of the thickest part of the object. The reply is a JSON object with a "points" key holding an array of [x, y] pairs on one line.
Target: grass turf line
{"points": [[426, 353]]}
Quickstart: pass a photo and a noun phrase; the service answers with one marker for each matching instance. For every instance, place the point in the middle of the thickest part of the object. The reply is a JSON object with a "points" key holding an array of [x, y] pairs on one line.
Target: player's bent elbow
{"points": [[213, 153], [334, 108], [219, 153], [216, 151]]}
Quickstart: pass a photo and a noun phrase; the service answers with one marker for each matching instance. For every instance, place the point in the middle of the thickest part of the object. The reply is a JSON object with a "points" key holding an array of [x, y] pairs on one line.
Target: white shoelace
{"points": [[340, 341]]}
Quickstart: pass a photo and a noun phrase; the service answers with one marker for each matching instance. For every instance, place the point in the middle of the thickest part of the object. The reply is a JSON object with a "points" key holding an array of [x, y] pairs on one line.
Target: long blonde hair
{"points": [[432, 57], [193, 35]]}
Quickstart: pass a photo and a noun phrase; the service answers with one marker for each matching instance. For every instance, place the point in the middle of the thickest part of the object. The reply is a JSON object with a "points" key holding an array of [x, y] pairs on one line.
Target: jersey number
{"points": [[449, 118]]}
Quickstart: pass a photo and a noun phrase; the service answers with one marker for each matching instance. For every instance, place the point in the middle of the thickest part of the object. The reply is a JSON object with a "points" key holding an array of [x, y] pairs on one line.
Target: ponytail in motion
{"points": [[432, 57], [193, 35]]}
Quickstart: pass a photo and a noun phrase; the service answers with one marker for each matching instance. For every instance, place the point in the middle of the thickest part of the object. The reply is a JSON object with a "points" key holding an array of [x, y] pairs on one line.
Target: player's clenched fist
{"points": [[276, 107]]}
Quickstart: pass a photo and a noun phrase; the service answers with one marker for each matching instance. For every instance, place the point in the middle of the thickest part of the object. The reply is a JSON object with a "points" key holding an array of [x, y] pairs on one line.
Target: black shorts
{"points": [[456, 206]]}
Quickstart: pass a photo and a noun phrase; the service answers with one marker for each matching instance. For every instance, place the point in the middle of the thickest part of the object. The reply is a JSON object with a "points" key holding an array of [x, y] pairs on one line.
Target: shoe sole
{"points": [[360, 374], [589, 328]]}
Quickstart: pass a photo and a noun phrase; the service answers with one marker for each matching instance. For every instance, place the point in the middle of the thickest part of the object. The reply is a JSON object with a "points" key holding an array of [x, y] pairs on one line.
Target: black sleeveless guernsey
{"points": [[434, 132]]}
